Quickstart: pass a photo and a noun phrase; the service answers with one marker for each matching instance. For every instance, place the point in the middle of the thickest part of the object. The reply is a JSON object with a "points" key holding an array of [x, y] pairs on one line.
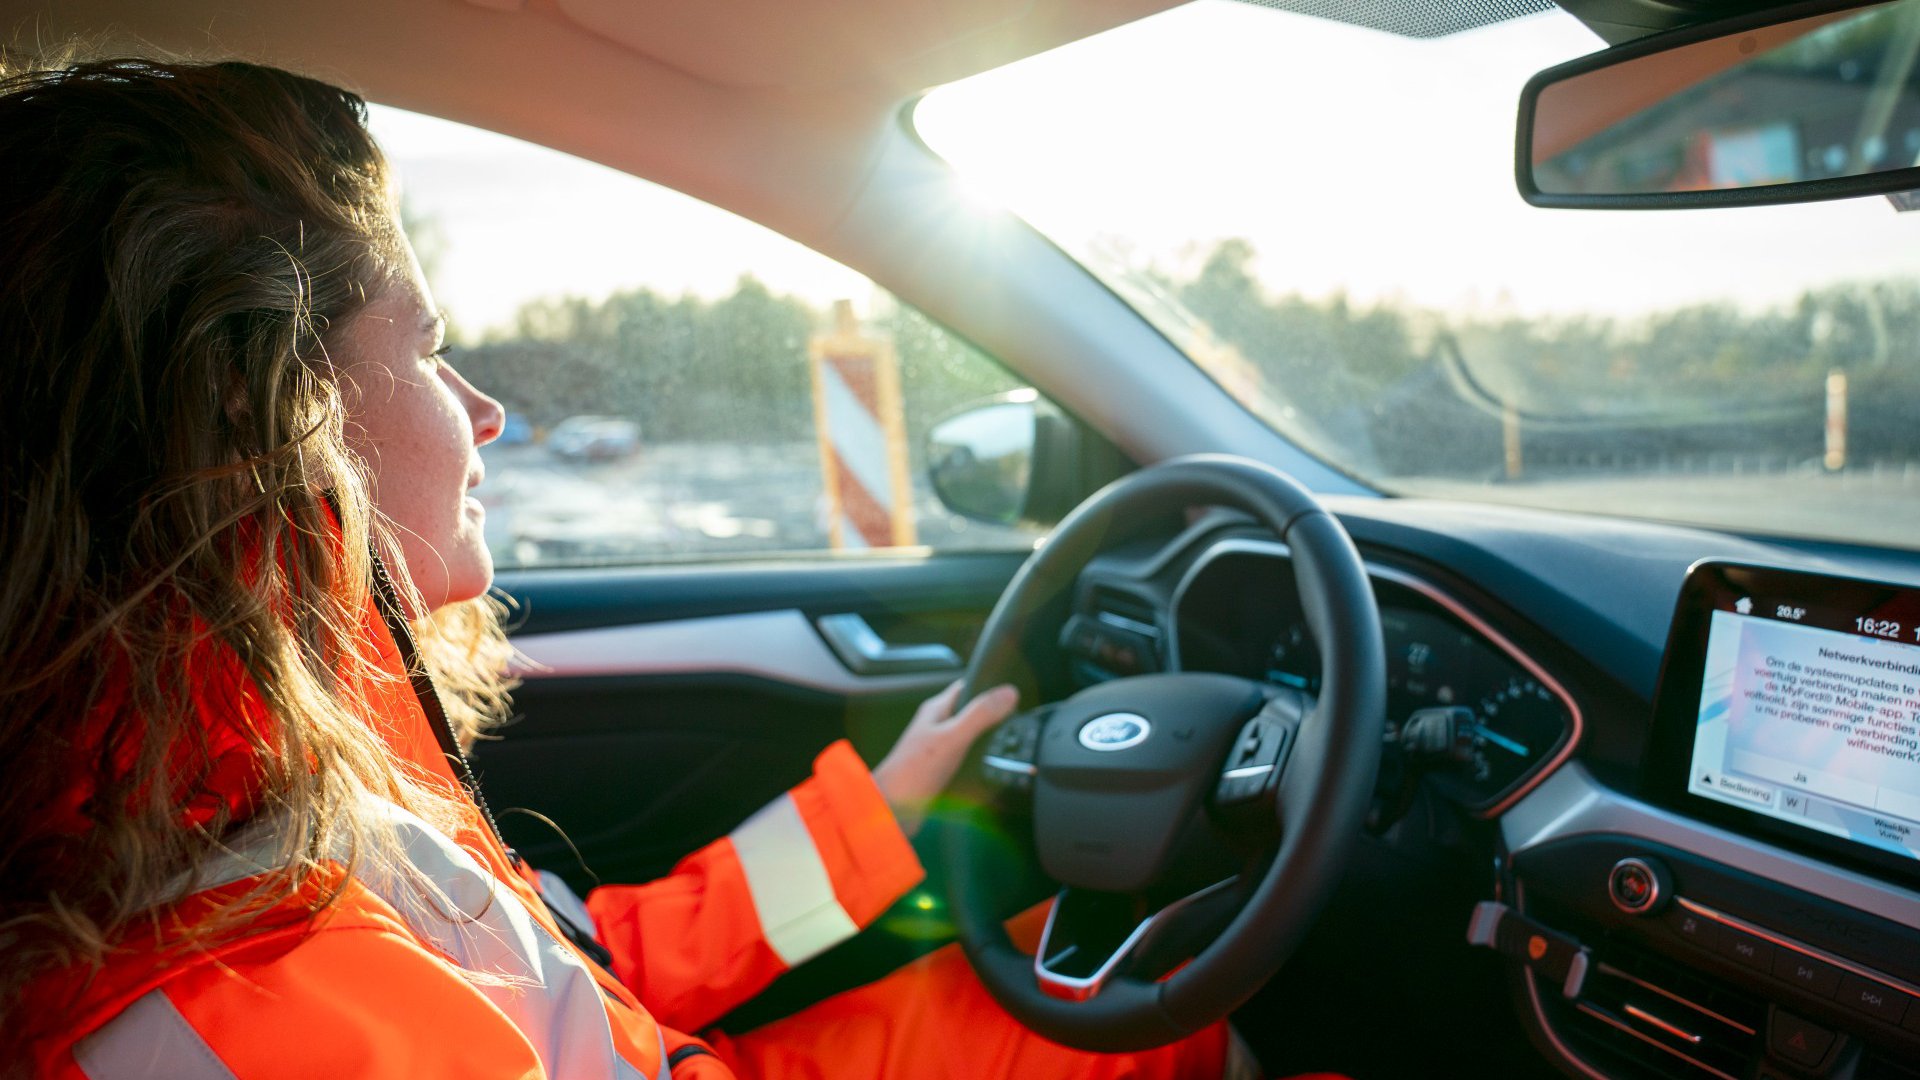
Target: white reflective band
{"points": [[478, 923], [565, 903], [799, 915], [452, 904], [149, 1038]]}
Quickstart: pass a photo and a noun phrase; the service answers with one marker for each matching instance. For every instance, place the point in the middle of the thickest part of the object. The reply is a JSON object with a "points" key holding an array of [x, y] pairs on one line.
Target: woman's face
{"points": [[419, 426]]}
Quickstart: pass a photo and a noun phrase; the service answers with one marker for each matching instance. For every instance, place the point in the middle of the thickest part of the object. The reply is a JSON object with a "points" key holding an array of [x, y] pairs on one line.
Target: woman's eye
{"points": [[438, 357]]}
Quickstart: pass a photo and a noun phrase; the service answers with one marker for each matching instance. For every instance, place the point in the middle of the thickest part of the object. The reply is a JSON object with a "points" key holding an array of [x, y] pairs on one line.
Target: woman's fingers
{"points": [[985, 711], [939, 707], [929, 752]]}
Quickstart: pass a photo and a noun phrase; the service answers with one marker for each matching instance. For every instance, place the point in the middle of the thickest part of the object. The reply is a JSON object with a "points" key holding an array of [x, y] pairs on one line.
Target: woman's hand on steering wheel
{"points": [[928, 753]]}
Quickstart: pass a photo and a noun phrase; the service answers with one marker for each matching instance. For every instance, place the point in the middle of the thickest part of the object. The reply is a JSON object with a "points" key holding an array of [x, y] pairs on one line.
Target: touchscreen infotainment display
{"points": [[1794, 699], [1812, 725]]}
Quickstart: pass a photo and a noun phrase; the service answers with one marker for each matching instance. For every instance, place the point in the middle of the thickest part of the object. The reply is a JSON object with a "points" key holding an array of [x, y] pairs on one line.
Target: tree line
{"points": [[1354, 377], [690, 369], [1399, 389]]}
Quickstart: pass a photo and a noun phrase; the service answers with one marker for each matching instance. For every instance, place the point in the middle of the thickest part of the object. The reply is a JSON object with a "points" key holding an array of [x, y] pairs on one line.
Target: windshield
{"points": [[1325, 219]]}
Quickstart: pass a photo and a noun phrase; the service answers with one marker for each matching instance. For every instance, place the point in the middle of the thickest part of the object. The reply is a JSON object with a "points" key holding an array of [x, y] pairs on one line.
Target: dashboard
{"points": [[1648, 925]]}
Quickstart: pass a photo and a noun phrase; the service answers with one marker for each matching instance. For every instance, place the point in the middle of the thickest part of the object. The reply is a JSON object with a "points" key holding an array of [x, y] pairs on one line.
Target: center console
{"points": [[1751, 911]]}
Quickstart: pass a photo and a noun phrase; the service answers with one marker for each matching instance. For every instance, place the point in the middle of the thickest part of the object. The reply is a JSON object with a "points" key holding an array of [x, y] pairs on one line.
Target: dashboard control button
{"points": [[1701, 931], [1875, 999], [1637, 886], [1799, 1041], [1745, 948], [1813, 976]]}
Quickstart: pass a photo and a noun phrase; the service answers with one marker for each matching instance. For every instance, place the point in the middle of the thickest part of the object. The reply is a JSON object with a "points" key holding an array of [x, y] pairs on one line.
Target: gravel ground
{"points": [[680, 500]]}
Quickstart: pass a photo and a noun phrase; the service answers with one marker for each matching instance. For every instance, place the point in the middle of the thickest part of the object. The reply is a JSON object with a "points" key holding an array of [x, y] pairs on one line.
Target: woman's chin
{"points": [[473, 583]]}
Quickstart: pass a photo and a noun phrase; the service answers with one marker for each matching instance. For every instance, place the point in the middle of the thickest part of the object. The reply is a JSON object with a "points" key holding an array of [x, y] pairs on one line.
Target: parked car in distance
{"points": [[594, 438], [515, 430]]}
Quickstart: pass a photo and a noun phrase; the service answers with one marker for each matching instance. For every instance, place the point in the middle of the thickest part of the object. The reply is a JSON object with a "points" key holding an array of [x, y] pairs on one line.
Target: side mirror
{"points": [[1807, 102], [1009, 461]]}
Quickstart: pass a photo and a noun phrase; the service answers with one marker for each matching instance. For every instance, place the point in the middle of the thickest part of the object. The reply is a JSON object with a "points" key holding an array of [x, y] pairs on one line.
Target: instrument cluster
{"points": [[1238, 613]]}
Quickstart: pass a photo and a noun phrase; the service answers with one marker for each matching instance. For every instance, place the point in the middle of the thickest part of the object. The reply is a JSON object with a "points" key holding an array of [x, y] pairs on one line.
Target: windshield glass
{"points": [[1325, 219]]}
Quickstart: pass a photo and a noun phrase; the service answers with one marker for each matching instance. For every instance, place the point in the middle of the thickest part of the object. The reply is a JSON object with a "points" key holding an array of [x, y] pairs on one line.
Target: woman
{"points": [[239, 835]]}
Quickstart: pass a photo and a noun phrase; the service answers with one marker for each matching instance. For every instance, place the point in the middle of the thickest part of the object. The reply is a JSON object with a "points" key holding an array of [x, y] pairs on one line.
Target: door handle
{"points": [[865, 652]]}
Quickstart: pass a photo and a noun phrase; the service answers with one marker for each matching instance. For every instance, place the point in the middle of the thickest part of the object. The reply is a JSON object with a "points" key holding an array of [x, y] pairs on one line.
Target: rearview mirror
{"points": [[1802, 103]]}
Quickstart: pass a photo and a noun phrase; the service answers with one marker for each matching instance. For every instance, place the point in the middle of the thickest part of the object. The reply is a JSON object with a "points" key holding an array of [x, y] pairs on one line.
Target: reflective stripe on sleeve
{"points": [[800, 917], [149, 1038]]}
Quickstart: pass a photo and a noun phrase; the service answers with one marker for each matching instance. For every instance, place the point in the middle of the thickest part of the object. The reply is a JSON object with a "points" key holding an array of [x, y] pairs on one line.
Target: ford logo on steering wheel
{"points": [[1115, 731]]}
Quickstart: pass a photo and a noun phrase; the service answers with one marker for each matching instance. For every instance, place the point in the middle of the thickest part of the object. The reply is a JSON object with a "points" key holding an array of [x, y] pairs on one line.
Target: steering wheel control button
{"points": [[1870, 998], [1813, 976], [1799, 1041], [1637, 886], [1744, 948], [1115, 731], [1253, 767], [1011, 752]]}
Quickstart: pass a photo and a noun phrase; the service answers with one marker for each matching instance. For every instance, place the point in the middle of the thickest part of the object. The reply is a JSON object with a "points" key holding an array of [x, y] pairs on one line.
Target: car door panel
{"points": [[661, 706]]}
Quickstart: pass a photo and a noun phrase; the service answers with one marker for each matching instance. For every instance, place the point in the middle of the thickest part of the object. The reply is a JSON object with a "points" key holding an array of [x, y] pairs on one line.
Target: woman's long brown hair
{"points": [[182, 244]]}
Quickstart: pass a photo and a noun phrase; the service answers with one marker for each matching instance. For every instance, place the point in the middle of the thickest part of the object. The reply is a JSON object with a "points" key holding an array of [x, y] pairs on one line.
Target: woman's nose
{"points": [[488, 416]]}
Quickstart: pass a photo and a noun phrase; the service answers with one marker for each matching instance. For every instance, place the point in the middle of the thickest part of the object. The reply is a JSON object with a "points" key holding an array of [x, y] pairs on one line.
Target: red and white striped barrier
{"points": [[858, 418]]}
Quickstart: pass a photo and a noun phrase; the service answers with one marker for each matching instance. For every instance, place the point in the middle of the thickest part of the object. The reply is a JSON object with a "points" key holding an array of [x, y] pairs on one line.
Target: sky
{"points": [[519, 222], [1354, 161]]}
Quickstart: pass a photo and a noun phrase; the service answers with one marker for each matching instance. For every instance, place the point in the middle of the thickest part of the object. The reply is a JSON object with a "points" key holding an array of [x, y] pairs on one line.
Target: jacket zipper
{"points": [[388, 599], [428, 696]]}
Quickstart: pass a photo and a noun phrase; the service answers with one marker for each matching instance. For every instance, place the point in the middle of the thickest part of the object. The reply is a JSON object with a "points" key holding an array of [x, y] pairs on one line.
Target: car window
{"points": [[680, 383], [1325, 218]]}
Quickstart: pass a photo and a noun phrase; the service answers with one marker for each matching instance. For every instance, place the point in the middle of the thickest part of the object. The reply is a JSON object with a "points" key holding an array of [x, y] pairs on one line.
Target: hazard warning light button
{"points": [[1796, 1040]]}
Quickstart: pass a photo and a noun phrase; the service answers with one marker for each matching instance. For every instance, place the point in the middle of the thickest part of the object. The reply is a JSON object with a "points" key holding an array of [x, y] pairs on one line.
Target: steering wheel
{"points": [[1160, 802]]}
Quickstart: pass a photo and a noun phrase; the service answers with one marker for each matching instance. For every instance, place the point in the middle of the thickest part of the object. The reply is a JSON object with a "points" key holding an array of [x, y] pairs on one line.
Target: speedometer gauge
{"points": [[1512, 726], [1433, 662]]}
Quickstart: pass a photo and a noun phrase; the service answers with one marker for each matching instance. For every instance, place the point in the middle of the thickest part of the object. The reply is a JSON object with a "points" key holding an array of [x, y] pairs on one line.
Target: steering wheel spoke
{"points": [[1092, 938]]}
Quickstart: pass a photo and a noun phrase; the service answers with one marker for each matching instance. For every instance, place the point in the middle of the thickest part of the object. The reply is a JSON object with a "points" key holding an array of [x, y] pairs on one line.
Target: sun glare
{"points": [[1354, 162]]}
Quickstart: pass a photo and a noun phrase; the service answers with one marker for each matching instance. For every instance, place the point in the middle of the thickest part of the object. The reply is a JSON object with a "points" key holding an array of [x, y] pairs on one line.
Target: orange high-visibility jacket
{"points": [[480, 981], [473, 977]]}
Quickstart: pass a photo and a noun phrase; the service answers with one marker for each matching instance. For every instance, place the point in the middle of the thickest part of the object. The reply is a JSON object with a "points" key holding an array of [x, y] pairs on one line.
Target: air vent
{"points": [[1116, 634], [1664, 1019], [1125, 611], [1878, 1065]]}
